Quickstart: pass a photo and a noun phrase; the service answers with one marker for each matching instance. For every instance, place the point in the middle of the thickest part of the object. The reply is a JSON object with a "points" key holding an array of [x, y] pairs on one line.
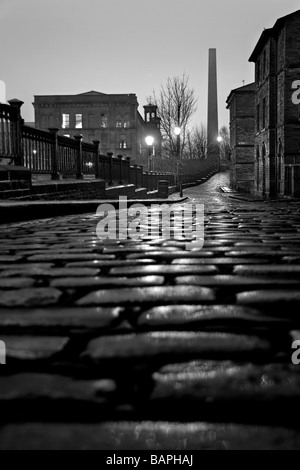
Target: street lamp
{"points": [[220, 140], [177, 132], [150, 141]]}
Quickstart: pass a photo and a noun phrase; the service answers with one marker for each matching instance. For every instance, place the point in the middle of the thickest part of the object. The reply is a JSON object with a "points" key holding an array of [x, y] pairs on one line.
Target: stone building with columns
{"points": [[277, 109], [113, 119]]}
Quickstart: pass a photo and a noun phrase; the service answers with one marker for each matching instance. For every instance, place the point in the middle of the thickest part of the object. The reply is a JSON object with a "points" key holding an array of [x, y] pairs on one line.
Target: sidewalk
{"points": [[14, 211]]}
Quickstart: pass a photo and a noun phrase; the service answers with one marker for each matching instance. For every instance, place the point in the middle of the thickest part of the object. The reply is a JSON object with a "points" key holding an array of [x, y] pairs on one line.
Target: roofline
{"points": [[266, 34], [241, 90], [270, 32], [123, 95]]}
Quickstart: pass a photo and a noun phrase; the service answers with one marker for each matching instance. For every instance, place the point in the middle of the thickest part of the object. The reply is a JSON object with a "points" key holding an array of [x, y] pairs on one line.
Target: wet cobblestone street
{"points": [[144, 345]]}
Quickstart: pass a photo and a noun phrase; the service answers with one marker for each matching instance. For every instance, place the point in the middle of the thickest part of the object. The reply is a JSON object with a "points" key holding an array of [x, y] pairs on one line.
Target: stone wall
{"points": [[241, 106]]}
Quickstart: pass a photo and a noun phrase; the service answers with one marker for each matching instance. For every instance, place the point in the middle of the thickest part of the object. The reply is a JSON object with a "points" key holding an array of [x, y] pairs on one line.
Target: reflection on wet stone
{"points": [[145, 345]]}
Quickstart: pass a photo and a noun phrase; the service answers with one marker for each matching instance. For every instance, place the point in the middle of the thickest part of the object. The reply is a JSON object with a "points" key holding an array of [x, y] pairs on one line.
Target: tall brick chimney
{"points": [[212, 114]]}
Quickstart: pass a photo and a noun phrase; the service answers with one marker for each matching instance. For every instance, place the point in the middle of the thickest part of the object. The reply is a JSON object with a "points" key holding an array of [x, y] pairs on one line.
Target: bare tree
{"points": [[224, 146], [197, 143], [176, 104]]}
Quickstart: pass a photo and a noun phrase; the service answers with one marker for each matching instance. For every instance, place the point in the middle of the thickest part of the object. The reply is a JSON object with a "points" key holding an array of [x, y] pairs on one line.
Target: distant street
{"points": [[209, 193]]}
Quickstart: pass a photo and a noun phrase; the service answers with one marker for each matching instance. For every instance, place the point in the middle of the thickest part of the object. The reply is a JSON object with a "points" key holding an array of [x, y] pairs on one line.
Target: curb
{"points": [[12, 212]]}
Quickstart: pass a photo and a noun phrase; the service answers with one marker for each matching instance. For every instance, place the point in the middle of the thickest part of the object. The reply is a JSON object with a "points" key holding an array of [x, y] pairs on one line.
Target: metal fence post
{"points": [[129, 175], [110, 154], [18, 124], [79, 174], [136, 176], [97, 163], [120, 157], [55, 176]]}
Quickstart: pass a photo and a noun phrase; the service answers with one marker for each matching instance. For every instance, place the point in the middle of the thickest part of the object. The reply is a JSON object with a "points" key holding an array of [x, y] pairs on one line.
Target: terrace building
{"points": [[277, 114]]}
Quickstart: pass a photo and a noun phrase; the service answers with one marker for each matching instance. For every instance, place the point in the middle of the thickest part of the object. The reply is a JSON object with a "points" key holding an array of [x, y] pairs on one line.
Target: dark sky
{"points": [[129, 46]]}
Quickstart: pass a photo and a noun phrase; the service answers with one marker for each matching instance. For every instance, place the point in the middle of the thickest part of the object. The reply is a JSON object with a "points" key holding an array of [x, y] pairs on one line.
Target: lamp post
{"points": [[150, 141], [177, 132], [220, 140]]}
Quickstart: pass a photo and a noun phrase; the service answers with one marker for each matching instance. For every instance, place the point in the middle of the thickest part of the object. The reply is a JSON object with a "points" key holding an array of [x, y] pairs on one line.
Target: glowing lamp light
{"points": [[219, 139], [149, 140], [177, 131]]}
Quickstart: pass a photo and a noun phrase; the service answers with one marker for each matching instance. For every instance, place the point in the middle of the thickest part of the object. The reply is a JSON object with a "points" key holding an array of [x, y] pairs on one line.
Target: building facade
{"points": [[277, 117], [241, 105], [112, 119]]}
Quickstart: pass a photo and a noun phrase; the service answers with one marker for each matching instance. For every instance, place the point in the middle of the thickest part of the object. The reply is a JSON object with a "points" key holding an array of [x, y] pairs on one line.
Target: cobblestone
{"points": [[30, 297], [47, 388], [19, 283], [190, 314], [106, 281], [59, 319], [158, 269], [234, 282], [269, 297], [128, 436], [145, 345], [233, 385], [54, 272], [228, 261], [33, 348], [172, 344], [274, 270], [168, 294]]}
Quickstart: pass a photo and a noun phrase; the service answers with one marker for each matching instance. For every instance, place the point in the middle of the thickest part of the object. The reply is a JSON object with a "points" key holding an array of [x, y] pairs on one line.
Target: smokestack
{"points": [[2, 92], [212, 114]]}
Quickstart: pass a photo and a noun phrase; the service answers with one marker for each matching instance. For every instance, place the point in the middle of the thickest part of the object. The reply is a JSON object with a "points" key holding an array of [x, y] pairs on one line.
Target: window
{"points": [[264, 114], [118, 123], [127, 124], [78, 121], [66, 121], [123, 144], [104, 120]]}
